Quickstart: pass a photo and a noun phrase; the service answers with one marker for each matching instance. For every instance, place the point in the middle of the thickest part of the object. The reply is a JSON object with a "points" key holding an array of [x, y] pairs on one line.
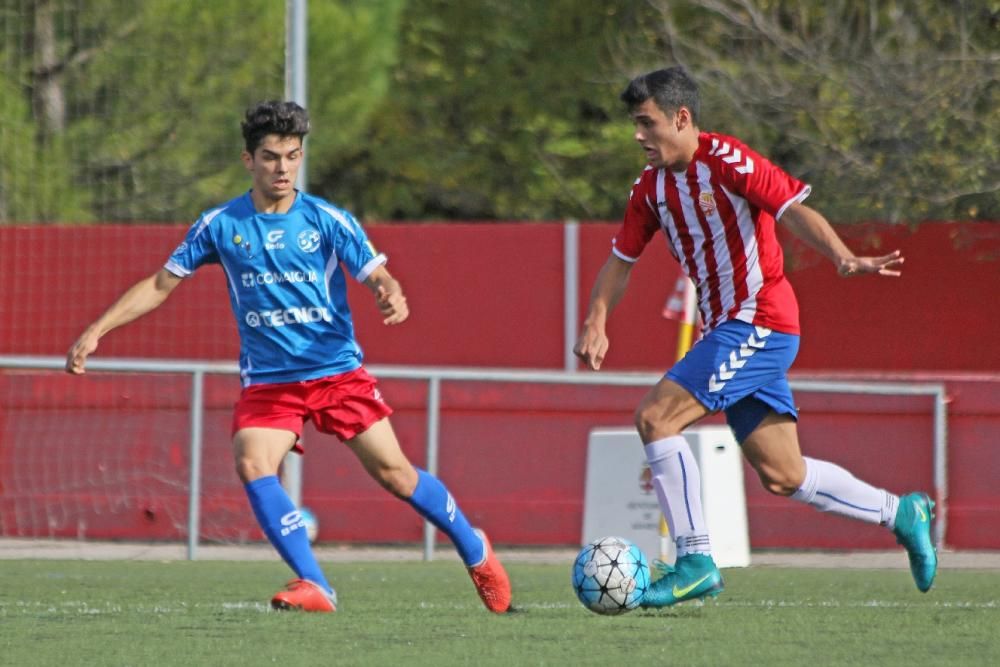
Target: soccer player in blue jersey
{"points": [[287, 256]]}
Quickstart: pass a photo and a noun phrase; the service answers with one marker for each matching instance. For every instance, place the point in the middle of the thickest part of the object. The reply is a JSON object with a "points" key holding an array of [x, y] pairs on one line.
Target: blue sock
{"points": [[432, 500], [281, 522]]}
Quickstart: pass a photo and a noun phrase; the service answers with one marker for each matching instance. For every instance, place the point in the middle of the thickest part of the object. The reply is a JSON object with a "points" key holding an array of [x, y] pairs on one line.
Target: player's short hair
{"points": [[286, 119], [670, 88]]}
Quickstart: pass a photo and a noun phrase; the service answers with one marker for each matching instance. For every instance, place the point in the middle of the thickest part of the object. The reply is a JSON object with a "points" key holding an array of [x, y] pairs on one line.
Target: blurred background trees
{"points": [[128, 110]]}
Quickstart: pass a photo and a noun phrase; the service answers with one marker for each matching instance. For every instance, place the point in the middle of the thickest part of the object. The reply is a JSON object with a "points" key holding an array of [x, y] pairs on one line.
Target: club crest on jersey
{"points": [[308, 240], [706, 200]]}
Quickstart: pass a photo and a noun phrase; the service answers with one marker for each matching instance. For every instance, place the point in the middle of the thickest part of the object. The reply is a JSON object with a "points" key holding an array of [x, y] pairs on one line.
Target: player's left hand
{"points": [[392, 303], [886, 265]]}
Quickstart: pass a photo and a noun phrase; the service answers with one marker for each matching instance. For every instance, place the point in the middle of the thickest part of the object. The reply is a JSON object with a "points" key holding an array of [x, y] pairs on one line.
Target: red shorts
{"points": [[344, 405]]}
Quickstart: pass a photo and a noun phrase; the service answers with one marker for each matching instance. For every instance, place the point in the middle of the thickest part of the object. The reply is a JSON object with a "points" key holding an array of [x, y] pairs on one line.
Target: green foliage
{"points": [[888, 109], [35, 180], [495, 109], [155, 91]]}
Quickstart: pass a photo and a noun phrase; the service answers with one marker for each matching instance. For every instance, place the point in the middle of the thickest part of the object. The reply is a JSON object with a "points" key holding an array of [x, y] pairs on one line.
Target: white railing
{"points": [[434, 376]]}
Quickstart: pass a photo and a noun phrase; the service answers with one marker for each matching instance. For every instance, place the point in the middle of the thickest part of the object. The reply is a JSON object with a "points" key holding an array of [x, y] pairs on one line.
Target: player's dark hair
{"points": [[286, 119], [670, 89]]}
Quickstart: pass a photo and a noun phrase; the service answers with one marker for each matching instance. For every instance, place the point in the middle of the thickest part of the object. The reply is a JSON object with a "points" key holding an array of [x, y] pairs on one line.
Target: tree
{"points": [[123, 110], [887, 108], [497, 109]]}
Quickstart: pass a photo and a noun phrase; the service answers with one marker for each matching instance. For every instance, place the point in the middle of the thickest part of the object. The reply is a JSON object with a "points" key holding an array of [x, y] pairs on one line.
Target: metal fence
{"points": [[435, 376]]}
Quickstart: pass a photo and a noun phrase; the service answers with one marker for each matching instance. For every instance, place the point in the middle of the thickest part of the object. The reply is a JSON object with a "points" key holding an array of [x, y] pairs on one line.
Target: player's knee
{"points": [[250, 468], [397, 481], [652, 424], [781, 482]]}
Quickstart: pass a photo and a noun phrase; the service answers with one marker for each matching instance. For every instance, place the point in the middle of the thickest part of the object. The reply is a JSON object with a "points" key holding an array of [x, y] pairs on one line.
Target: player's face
{"points": [[274, 166], [663, 136]]}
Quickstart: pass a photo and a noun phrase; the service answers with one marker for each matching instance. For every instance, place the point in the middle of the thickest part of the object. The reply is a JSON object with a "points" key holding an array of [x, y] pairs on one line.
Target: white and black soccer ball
{"points": [[610, 576]]}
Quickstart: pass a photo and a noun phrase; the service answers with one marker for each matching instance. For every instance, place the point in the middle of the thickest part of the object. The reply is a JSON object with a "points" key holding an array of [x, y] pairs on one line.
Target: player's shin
{"points": [[432, 501], [677, 482], [829, 488], [284, 527]]}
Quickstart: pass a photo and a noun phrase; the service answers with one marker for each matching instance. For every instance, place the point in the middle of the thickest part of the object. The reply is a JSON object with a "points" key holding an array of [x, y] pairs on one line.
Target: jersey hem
{"points": [[271, 377]]}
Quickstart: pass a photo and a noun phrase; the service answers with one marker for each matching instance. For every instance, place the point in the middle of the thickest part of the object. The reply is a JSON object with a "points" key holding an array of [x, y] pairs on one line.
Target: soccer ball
{"points": [[312, 525], [610, 576]]}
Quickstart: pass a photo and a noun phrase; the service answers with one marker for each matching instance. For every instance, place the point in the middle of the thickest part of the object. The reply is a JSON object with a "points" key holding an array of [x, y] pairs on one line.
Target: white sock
{"points": [[677, 481], [830, 488]]}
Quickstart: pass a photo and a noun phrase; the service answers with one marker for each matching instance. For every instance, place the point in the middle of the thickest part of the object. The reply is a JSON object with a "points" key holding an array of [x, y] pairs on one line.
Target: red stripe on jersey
{"points": [[707, 246], [734, 240], [673, 201]]}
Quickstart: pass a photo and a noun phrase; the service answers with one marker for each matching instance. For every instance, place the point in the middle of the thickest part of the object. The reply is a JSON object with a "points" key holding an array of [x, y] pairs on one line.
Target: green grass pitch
{"points": [[414, 613]]}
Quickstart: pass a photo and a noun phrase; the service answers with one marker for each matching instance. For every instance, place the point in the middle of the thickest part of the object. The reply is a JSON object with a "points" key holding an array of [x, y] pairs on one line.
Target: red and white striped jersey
{"points": [[718, 218]]}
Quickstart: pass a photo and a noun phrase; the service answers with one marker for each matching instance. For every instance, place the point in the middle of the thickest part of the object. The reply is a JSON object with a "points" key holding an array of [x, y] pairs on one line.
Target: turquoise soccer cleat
{"points": [[913, 531], [693, 577]]}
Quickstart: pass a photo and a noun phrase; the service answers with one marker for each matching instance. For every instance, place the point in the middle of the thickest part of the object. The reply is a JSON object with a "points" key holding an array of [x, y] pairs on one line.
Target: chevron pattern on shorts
{"points": [[738, 359]]}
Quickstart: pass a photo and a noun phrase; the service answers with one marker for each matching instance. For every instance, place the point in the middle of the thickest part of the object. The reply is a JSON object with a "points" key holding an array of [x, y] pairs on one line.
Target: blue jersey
{"points": [[286, 283]]}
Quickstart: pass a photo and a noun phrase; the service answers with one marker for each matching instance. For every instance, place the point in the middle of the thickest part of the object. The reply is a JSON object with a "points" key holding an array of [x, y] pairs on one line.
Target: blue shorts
{"points": [[742, 369]]}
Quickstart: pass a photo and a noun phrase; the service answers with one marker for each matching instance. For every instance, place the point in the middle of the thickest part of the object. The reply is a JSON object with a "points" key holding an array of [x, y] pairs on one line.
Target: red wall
{"points": [[491, 295], [106, 456]]}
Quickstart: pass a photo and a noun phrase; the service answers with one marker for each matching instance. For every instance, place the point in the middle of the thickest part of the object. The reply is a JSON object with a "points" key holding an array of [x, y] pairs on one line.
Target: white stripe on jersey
{"points": [[331, 268], [755, 279], [339, 217], [206, 219], [175, 268], [666, 220]]}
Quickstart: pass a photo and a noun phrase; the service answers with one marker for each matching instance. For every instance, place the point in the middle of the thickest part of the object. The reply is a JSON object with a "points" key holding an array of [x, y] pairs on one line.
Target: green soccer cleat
{"points": [[693, 577], [913, 531]]}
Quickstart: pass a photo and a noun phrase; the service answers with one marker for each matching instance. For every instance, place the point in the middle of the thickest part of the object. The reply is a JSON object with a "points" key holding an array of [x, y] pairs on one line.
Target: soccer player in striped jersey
{"points": [[717, 202], [287, 256]]}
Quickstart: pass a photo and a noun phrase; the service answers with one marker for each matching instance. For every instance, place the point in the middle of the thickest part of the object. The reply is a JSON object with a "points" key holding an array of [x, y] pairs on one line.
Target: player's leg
{"points": [[772, 449], [379, 452], [661, 416], [258, 453]]}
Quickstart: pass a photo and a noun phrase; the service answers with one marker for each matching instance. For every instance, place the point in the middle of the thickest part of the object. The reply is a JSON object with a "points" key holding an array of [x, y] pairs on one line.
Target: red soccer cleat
{"points": [[491, 580], [302, 595]]}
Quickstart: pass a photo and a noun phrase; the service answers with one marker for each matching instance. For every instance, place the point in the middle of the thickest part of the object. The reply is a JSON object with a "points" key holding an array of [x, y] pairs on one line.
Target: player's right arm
{"points": [[637, 229], [141, 298], [592, 344]]}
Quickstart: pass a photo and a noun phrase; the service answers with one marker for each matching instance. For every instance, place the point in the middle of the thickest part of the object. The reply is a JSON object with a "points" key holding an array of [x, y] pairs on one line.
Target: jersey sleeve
{"points": [[197, 248], [754, 177], [640, 222], [352, 246]]}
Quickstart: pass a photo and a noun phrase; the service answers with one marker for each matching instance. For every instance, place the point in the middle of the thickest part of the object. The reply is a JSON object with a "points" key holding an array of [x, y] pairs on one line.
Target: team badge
{"points": [[706, 200], [308, 240]]}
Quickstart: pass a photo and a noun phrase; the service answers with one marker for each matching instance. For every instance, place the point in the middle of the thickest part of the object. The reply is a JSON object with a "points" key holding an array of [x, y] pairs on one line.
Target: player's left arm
{"points": [[389, 296], [810, 226]]}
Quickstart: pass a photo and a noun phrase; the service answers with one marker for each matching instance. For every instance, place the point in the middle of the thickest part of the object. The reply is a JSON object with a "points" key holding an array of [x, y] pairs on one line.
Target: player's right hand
{"points": [[591, 347], [76, 358]]}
